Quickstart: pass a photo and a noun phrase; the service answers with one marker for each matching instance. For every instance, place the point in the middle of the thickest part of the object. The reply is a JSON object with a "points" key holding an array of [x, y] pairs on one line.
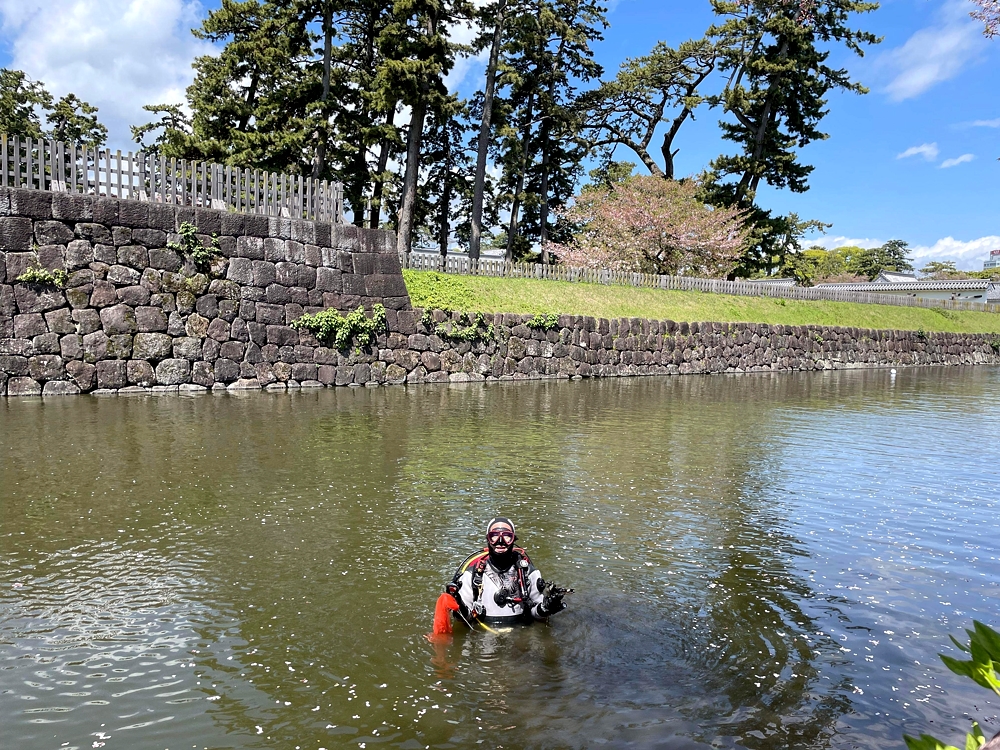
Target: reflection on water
{"points": [[762, 562]]}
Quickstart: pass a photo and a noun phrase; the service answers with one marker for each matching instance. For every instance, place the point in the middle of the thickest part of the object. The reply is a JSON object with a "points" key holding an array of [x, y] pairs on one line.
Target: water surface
{"points": [[759, 561]]}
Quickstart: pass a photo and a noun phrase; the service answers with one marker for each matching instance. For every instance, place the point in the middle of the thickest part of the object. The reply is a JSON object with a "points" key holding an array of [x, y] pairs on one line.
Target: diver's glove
{"points": [[552, 600]]}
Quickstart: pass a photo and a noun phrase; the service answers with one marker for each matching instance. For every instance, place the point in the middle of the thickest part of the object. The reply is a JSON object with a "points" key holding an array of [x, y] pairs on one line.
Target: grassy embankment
{"points": [[481, 293]]}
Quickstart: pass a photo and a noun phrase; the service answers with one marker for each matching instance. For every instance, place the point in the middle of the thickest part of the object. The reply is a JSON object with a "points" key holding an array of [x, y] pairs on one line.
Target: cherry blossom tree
{"points": [[651, 225], [988, 13]]}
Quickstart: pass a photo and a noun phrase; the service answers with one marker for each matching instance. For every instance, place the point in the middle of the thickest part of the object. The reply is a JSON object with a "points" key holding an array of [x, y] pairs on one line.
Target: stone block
{"points": [[353, 284], [46, 343], [286, 274], [161, 217], [173, 371], [123, 275], [293, 312], [219, 329], [134, 296], [84, 375], [112, 373], [119, 319], [165, 301], [186, 347], [185, 302], [44, 367], [106, 211], [12, 364], [71, 346], [133, 213], [277, 294], [33, 298], [385, 285], [152, 346], [231, 224], [106, 254], [268, 314], [21, 386], [295, 251], [255, 225], [313, 256], [52, 233], [208, 221], [329, 280], [27, 325], [202, 373], [303, 371], [87, 321], [210, 349], [74, 208], [149, 319], [139, 372], [232, 350], [165, 259], [251, 248], [196, 326], [274, 250], [52, 257], [149, 237], [281, 335], [133, 256], [104, 295], [263, 273], [239, 331], [120, 346], [240, 271], [79, 254], [226, 370], [18, 263], [60, 388], [94, 233]]}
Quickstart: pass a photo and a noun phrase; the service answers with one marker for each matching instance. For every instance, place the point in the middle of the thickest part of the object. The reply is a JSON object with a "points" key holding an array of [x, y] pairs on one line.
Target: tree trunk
{"points": [[443, 228], [750, 178], [404, 232], [484, 135], [515, 206], [543, 208], [378, 186], [319, 163]]}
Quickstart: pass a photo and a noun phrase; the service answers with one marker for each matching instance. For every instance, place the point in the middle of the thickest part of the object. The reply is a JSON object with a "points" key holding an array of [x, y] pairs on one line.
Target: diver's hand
{"points": [[552, 600]]}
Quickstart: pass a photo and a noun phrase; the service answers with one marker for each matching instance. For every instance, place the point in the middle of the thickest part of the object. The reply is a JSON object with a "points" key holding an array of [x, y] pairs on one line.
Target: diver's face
{"points": [[500, 538]]}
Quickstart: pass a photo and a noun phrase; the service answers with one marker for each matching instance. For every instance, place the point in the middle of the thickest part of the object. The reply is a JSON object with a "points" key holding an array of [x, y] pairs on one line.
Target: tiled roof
{"points": [[956, 285]]}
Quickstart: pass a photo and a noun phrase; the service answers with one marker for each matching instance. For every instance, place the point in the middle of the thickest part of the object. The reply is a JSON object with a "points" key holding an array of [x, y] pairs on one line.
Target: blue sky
{"points": [[915, 159]]}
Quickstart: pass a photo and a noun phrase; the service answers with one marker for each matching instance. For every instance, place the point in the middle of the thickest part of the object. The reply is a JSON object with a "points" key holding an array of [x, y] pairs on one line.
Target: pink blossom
{"points": [[988, 13], [651, 225]]}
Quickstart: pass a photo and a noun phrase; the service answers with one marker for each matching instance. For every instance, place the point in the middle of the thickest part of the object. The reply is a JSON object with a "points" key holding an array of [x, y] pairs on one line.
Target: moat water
{"points": [[759, 561]]}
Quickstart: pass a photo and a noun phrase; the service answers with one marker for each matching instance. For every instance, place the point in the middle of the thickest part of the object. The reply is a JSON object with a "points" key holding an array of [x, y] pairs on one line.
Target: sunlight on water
{"points": [[759, 561]]}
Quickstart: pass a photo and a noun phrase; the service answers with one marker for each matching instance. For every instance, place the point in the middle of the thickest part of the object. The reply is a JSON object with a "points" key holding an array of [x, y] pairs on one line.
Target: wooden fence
{"points": [[505, 269], [65, 167]]}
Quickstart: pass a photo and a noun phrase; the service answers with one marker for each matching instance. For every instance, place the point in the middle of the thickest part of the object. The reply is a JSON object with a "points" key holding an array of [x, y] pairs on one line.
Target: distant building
{"points": [[907, 284], [993, 262], [770, 280]]}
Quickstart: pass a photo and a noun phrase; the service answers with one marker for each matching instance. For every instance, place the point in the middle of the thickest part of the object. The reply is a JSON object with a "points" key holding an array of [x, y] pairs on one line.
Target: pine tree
{"points": [[20, 100]]}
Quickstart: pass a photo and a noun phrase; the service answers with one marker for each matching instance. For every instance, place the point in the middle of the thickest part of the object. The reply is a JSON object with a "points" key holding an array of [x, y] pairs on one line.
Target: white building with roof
{"points": [[993, 262], [907, 284]]}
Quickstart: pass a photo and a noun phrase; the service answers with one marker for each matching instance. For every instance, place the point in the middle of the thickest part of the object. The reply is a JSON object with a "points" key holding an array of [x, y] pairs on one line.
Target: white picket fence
{"points": [[66, 167], [500, 268]]}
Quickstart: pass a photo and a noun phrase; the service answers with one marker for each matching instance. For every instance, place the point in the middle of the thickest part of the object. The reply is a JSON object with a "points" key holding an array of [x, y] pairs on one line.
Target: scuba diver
{"points": [[499, 585]]}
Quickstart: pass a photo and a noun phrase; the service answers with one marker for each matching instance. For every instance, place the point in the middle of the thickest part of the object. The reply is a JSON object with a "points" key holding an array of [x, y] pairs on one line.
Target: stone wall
{"points": [[137, 316], [135, 313]]}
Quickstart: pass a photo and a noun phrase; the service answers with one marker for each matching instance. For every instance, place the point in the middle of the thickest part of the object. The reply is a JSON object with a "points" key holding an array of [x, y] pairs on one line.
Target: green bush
{"points": [[191, 246], [40, 276], [543, 321], [340, 331], [984, 648]]}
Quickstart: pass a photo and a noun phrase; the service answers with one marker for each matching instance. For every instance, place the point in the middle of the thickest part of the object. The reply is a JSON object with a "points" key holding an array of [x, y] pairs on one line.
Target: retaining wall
{"points": [[137, 316]]}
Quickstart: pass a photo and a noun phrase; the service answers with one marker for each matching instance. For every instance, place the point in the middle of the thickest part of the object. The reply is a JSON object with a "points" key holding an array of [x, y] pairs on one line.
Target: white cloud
{"points": [[968, 256], [928, 150], [986, 123], [840, 241], [933, 54], [116, 54], [957, 160]]}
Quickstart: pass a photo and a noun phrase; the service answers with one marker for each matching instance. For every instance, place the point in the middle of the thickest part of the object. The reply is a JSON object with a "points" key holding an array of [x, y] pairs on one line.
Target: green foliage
{"points": [[983, 669], [22, 101], [466, 329], [340, 331], [192, 247], [870, 262], [42, 277], [544, 321]]}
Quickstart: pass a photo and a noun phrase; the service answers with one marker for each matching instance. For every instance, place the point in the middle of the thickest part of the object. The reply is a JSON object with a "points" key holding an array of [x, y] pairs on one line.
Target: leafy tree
{"points": [[75, 121], [20, 102], [652, 225], [892, 256], [778, 81], [941, 270], [650, 91], [989, 14]]}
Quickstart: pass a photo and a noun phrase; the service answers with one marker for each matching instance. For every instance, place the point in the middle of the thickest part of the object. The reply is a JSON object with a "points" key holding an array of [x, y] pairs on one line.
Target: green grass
{"points": [[482, 293]]}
